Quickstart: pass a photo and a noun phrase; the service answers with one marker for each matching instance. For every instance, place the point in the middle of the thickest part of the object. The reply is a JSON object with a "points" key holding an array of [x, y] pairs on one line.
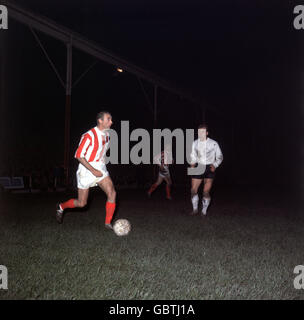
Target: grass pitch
{"points": [[246, 248]]}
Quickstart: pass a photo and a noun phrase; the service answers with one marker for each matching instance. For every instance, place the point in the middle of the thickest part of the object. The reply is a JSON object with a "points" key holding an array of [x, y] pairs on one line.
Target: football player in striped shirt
{"points": [[92, 170]]}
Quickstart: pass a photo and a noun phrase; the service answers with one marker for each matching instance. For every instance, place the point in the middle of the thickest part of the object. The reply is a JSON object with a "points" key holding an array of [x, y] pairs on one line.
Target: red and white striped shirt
{"points": [[93, 145]]}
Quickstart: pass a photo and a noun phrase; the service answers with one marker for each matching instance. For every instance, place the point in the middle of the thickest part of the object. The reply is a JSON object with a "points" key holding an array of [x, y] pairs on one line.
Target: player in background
{"points": [[163, 160], [207, 154], [92, 170]]}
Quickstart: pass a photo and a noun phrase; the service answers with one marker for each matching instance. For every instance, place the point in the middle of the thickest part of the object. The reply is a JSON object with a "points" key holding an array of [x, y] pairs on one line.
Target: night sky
{"points": [[241, 58]]}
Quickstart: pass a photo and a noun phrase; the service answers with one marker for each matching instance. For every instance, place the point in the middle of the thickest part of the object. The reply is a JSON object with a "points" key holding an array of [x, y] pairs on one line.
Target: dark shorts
{"points": [[208, 174]]}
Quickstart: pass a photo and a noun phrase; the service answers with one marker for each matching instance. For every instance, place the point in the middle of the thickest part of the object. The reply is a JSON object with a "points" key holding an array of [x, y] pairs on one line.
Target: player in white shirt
{"points": [[207, 154], [92, 170], [163, 160]]}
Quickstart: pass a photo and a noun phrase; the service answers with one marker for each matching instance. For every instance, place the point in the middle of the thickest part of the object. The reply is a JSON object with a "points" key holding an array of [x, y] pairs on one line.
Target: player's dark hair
{"points": [[101, 114], [203, 126]]}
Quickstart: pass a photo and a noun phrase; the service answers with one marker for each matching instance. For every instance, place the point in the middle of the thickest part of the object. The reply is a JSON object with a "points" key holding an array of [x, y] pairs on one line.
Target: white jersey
{"points": [[93, 145], [206, 152]]}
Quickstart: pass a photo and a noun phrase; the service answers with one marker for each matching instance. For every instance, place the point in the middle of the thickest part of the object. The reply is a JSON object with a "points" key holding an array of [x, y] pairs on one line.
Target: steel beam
{"points": [[64, 34]]}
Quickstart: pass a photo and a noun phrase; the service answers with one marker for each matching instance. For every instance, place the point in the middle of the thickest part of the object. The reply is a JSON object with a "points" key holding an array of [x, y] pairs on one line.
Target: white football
{"points": [[122, 227]]}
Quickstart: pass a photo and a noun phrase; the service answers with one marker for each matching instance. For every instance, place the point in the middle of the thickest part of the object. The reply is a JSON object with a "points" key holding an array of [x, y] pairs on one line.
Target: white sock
{"points": [[205, 202], [195, 200]]}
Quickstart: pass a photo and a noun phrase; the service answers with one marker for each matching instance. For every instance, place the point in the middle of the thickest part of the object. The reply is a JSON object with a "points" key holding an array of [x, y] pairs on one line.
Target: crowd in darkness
{"points": [[37, 174], [49, 175], [40, 172]]}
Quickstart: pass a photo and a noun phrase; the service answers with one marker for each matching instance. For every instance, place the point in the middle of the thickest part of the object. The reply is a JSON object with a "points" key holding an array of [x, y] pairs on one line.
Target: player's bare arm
{"points": [[85, 163]]}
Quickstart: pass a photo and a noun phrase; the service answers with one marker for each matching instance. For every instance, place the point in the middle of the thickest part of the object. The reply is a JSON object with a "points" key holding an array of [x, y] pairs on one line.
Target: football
{"points": [[122, 227]]}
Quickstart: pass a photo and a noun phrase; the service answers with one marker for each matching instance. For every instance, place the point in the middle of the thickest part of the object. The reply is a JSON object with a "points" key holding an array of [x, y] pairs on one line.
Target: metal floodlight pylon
{"points": [[75, 40]]}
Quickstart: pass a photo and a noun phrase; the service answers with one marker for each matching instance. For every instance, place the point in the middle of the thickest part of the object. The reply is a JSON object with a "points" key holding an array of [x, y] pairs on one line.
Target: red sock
{"points": [[153, 187], [168, 191], [110, 208], [68, 204]]}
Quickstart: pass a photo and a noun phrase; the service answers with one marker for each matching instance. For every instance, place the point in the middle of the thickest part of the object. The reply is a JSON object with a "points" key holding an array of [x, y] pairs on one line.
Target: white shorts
{"points": [[85, 178], [164, 174]]}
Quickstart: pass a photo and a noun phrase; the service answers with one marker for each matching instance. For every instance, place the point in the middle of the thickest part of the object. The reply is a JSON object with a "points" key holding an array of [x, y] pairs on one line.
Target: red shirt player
{"points": [[92, 170]]}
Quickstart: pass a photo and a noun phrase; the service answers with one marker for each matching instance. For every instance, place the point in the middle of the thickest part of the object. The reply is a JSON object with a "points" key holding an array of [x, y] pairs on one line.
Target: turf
{"points": [[246, 248]]}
